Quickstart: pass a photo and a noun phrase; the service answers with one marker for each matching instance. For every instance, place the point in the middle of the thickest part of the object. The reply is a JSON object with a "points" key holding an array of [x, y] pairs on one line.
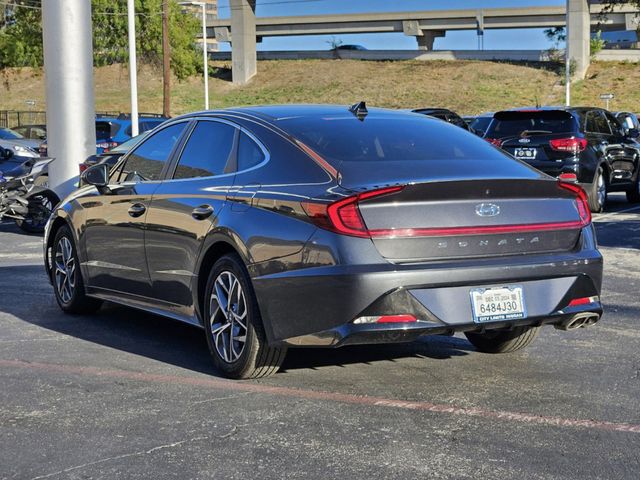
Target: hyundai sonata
{"points": [[283, 226]]}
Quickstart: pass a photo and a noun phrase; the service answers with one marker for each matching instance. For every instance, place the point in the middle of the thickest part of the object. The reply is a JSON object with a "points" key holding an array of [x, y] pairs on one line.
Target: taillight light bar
{"points": [[344, 217], [572, 144]]}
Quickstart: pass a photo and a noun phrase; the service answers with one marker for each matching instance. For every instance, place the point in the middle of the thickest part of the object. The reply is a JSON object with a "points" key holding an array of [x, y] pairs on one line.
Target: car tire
{"points": [[234, 329], [597, 194], [503, 341], [66, 276], [633, 194]]}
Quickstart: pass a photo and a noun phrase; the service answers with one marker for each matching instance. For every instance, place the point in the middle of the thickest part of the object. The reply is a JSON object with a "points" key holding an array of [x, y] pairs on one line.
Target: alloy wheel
{"points": [[228, 310], [601, 190], [65, 270]]}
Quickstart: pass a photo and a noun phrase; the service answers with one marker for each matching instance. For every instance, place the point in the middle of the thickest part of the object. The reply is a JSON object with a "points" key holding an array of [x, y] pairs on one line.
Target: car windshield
{"points": [[124, 147], [8, 134], [517, 123], [386, 138], [480, 123]]}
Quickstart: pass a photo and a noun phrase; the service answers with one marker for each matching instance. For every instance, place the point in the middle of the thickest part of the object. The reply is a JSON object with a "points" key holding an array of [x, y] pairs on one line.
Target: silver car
{"points": [[20, 146]]}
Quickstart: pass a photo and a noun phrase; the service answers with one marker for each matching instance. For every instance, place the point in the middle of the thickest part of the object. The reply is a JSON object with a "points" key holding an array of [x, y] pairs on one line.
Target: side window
{"points": [[597, 123], [207, 151], [249, 153], [614, 124], [146, 162]]}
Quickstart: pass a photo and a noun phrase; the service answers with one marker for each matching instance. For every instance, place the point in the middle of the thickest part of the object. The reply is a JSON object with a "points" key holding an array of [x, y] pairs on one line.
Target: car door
{"points": [[185, 207], [622, 151], [114, 220]]}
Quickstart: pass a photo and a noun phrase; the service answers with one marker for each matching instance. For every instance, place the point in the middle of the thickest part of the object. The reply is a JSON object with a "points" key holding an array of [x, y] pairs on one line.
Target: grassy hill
{"points": [[468, 87]]}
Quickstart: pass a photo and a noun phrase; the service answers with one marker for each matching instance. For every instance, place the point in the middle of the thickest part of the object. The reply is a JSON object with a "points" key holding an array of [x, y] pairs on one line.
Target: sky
{"points": [[460, 40]]}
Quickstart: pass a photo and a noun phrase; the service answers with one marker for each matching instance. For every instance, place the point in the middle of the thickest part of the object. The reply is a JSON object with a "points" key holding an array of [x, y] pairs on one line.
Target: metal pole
{"points": [[567, 79], [205, 57], [71, 117], [166, 61], [133, 73]]}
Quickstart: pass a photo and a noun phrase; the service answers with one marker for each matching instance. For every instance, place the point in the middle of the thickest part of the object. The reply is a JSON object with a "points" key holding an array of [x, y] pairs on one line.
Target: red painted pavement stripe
{"points": [[320, 395]]}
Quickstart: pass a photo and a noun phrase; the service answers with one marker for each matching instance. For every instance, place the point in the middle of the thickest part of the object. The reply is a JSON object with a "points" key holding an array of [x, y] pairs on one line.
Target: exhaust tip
{"points": [[578, 321]]}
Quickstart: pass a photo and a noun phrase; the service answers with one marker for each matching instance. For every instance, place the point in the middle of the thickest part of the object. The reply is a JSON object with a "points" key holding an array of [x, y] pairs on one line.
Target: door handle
{"points": [[137, 209], [202, 212]]}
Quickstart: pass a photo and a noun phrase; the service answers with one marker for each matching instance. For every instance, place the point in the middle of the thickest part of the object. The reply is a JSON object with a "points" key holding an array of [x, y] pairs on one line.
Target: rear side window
{"points": [[147, 161], [386, 138], [249, 153], [103, 130], [517, 123], [207, 151], [597, 123]]}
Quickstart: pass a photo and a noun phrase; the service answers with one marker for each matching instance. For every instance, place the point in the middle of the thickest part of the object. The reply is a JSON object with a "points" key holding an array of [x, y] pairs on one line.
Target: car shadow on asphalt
{"points": [[175, 343], [617, 234]]}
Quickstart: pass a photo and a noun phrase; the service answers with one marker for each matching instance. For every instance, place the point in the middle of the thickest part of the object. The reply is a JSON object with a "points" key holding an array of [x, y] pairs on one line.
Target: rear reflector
{"points": [[386, 319], [583, 301], [572, 145]]}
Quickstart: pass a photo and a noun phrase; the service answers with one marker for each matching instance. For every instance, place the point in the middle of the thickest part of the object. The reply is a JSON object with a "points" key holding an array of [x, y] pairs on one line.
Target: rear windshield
{"points": [[480, 123], [508, 124], [105, 130], [387, 138]]}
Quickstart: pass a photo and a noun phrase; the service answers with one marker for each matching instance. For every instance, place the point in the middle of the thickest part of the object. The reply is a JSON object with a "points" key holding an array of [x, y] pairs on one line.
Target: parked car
{"points": [[582, 144], [350, 47], [281, 226], [479, 123], [19, 145], [444, 114], [112, 131], [628, 120], [111, 157], [33, 132]]}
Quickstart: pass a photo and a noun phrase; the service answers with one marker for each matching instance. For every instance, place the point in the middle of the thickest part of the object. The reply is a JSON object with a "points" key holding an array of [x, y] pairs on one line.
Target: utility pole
{"points": [[166, 61], [71, 116], [133, 66]]}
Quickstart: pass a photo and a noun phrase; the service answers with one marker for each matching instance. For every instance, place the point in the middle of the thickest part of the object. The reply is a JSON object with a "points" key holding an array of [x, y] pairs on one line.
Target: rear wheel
{"points": [[235, 334], [503, 341], [598, 192], [633, 194], [68, 284]]}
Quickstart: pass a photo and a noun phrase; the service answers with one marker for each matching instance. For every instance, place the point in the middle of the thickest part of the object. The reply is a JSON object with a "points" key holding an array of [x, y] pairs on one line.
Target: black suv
{"points": [[582, 144]]}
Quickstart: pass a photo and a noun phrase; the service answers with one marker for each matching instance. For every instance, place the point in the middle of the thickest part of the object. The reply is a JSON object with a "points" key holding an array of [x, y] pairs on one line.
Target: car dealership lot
{"points": [[130, 394]]}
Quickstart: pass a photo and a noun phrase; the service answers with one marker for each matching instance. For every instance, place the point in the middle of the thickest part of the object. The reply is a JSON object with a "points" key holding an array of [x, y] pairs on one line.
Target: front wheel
{"points": [[503, 341], [633, 194], [40, 206], [235, 334]]}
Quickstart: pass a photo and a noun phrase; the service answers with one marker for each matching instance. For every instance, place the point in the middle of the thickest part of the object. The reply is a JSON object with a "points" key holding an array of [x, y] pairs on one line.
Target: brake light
{"points": [[568, 177], [572, 145], [582, 202], [344, 215], [494, 141], [83, 167]]}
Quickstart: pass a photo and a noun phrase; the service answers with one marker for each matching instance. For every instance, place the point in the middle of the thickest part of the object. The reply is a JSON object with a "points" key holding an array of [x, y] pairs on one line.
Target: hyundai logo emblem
{"points": [[487, 209]]}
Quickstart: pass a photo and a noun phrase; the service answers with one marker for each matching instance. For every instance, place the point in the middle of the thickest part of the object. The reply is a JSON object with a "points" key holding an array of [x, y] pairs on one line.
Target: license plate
{"points": [[497, 303], [526, 153]]}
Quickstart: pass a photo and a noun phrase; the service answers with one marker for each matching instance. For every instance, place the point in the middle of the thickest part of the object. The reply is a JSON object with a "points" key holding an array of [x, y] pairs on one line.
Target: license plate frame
{"points": [[525, 153], [501, 303]]}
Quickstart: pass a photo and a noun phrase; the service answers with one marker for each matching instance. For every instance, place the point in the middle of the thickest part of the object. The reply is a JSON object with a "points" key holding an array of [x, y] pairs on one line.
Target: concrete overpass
{"points": [[244, 29]]}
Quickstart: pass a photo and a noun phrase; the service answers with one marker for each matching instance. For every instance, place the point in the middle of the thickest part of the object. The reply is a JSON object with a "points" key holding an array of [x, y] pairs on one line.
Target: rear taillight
{"points": [[344, 215], [572, 145], [494, 141], [582, 202], [568, 177], [83, 167]]}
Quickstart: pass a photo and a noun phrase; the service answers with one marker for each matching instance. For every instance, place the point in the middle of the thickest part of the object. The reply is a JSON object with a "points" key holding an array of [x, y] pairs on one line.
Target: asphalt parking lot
{"points": [[123, 394]]}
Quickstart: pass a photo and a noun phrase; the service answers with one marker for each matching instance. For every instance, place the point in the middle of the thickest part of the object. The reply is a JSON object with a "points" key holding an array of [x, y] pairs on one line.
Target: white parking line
{"points": [[612, 214]]}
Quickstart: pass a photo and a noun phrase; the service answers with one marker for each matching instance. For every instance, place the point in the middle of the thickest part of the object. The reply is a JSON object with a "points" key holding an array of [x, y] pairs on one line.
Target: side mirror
{"points": [[633, 133], [96, 175]]}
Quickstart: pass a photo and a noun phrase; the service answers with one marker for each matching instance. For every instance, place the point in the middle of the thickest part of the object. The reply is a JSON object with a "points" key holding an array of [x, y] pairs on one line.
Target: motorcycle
{"points": [[28, 204]]}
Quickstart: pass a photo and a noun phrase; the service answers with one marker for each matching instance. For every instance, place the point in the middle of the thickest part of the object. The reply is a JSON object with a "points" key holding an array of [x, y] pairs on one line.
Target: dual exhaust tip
{"points": [[580, 320]]}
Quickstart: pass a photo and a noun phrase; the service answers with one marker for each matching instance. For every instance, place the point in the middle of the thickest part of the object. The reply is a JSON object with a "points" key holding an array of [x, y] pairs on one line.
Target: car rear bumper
{"points": [[318, 305]]}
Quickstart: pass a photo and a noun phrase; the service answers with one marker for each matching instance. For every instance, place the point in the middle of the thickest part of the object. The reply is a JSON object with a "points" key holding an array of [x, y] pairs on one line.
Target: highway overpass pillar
{"points": [[578, 35], [428, 37], [243, 40], [68, 66]]}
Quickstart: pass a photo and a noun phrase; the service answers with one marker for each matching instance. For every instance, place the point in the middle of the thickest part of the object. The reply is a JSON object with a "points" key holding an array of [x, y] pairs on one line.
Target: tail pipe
{"points": [[584, 319]]}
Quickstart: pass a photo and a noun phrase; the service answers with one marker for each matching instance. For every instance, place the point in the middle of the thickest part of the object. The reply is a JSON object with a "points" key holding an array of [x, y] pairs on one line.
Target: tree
{"points": [[21, 36]]}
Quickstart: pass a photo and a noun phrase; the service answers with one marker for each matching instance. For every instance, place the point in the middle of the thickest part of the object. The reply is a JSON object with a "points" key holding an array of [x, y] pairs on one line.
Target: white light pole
{"points": [[205, 58], [133, 73]]}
